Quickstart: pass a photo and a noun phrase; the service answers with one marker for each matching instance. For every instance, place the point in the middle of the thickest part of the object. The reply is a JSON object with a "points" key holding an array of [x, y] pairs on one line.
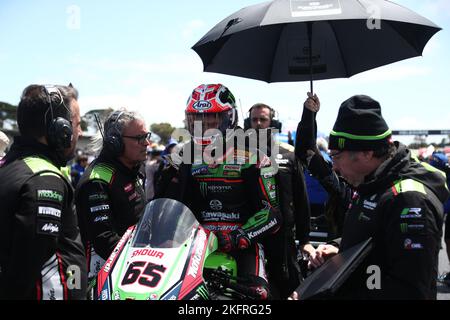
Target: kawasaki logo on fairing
{"points": [[197, 258]]}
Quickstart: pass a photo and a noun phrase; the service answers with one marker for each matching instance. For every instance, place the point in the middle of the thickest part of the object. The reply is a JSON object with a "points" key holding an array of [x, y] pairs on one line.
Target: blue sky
{"points": [[136, 54]]}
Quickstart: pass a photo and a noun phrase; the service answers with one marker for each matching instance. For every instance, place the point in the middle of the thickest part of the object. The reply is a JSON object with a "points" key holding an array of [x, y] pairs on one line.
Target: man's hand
{"points": [[323, 252], [308, 249], [229, 241], [293, 296], [312, 103]]}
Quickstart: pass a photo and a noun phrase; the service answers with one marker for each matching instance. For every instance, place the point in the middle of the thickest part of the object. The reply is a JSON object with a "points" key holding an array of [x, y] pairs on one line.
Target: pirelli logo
{"points": [[49, 211], [49, 195], [104, 207]]}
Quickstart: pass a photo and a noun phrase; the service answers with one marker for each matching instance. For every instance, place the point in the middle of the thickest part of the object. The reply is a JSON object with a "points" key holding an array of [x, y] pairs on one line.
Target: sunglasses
{"points": [[140, 138]]}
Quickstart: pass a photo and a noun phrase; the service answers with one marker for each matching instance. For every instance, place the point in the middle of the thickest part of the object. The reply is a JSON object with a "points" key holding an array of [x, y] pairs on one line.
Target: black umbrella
{"points": [[271, 41]]}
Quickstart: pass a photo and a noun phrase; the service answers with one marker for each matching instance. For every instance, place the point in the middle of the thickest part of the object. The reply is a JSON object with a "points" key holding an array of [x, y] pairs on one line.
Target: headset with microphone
{"points": [[112, 138], [59, 130], [274, 123]]}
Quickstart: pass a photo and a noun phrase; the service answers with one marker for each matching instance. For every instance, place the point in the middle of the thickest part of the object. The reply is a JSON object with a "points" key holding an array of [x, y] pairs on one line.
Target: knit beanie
{"points": [[360, 126]]}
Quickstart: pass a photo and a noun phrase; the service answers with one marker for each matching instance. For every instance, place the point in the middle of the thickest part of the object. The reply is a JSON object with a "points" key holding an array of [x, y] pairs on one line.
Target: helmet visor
{"points": [[200, 123]]}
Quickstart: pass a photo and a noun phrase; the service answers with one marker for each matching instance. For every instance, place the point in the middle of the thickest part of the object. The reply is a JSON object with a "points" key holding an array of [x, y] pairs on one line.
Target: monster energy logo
{"points": [[203, 292], [404, 227], [203, 188], [341, 143]]}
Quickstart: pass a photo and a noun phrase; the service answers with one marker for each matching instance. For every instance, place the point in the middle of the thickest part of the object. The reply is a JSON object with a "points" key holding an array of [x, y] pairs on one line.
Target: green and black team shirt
{"points": [[41, 253], [400, 206], [237, 193], [109, 198]]}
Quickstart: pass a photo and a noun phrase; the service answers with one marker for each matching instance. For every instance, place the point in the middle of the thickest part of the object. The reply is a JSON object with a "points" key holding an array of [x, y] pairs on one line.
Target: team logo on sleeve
{"points": [[411, 213], [104, 207], [49, 211], [48, 228], [410, 245], [49, 195], [98, 197]]}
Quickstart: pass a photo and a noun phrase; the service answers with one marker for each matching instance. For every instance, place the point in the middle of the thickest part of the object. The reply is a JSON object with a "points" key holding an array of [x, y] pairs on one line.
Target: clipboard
{"points": [[329, 277]]}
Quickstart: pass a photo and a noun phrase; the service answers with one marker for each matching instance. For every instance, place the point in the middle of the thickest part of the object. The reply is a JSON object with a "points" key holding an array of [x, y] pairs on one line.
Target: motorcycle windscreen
{"points": [[166, 223]]}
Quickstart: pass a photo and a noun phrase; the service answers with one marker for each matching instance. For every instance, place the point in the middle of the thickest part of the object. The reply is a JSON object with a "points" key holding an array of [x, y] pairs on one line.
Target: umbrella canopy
{"points": [[271, 41]]}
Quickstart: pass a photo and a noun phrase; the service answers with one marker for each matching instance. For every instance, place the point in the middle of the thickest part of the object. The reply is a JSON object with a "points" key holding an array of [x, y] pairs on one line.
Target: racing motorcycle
{"points": [[168, 255]]}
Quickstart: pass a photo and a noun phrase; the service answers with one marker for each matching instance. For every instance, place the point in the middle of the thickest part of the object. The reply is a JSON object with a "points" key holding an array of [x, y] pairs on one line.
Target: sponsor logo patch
{"points": [[197, 257], [103, 207], [129, 187], [411, 228], [199, 170], [231, 167], [98, 196], [369, 205], [219, 189], [411, 213], [231, 173], [220, 216], [220, 226], [49, 211], [147, 252], [51, 195], [202, 105], [409, 245], [253, 234], [48, 228], [215, 205], [101, 218]]}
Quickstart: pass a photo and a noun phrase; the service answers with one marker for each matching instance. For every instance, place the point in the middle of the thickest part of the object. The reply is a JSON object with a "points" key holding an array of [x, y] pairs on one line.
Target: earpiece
{"points": [[59, 129], [113, 140]]}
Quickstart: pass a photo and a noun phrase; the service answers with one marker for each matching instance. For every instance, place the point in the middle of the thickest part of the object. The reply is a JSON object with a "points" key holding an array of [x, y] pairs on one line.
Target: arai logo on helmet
{"points": [[202, 105]]}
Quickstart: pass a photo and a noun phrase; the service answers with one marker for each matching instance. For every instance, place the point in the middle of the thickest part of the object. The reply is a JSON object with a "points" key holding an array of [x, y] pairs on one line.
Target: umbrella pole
{"points": [[313, 127], [309, 27]]}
